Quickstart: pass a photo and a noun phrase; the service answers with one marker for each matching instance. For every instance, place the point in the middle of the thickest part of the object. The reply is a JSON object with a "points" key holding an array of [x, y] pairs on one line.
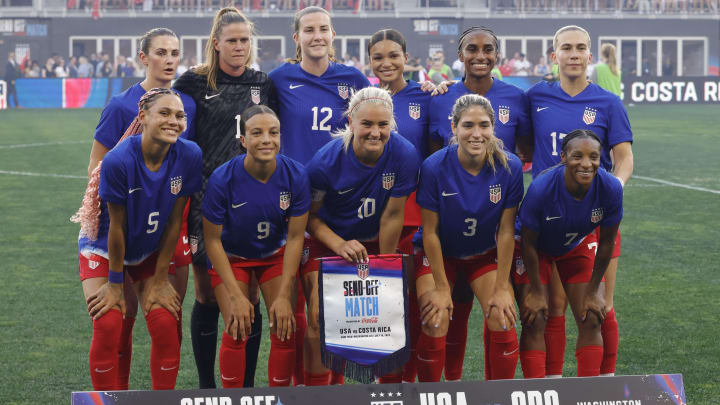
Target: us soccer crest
{"points": [[596, 215], [519, 266], [285, 200], [175, 184], [93, 264], [305, 255], [495, 193], [193, 244], [589, 115], [414, 111], [388, 180], [255, 94], [363, 270], [343, 91], [503, 114]]}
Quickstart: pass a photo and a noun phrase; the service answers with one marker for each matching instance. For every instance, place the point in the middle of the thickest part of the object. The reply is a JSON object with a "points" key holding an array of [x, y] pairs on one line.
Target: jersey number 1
{"points": [[557, 137]]}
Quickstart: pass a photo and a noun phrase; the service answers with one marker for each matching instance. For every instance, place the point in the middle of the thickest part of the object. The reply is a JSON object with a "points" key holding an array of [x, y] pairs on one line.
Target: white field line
{"points": [[670, 183], [62, 176], [31, 145]]}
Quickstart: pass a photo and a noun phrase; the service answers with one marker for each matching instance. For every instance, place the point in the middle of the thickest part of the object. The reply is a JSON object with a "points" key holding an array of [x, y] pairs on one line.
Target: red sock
{"points": [[337, 378], [165, 349], [555, 345], [125, 354], [281, 363], [456, 341], [610, 337], [410, 368], [486, 346], [391, 378], [300, 328], [232, 361], [431, 352], [317, 379], [533, 363], [104, 350], [588, 360], [504, 353]]}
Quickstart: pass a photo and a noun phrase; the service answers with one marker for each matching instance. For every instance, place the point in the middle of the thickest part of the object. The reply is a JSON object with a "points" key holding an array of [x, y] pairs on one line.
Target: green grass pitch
{"points": [[667, 297]]}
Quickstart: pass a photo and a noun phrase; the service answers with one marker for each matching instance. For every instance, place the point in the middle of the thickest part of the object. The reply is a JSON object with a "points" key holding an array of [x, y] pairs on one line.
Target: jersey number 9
{"points": [[263, 229]]}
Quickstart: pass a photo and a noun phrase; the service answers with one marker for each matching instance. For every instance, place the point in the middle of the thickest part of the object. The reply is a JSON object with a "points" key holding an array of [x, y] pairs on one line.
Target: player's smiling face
{"points": [[262, 137], [315, 35], [479, 54], [473, 131], [387, 60], [165, 120], [370, 124], [572, 54], [233, 46], [162, 59], [582, 159]]}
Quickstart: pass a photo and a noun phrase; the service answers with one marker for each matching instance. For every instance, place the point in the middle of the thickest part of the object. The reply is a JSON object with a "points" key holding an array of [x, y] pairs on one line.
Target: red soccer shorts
{"points": [[182, 256], [574, 267], [265, 269], [94, 266], [616, 248], [473, 267]]}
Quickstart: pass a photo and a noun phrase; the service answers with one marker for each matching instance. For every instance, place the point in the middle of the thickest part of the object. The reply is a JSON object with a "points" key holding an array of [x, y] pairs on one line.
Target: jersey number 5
{"points": [[323, 124], [153, 223]]}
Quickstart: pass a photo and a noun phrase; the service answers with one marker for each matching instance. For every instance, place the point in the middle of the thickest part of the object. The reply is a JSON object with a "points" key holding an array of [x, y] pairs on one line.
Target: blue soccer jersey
{"points": [[469, 207], [148, 196], [255, 215], [555, 114], [122, 109], [412, 116], [560, 220], [354, 195], [310, 108], [511, 112]]}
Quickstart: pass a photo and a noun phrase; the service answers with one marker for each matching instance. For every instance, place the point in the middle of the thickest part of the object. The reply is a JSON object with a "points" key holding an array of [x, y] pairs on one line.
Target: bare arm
{"points": [[623, 161], [433, 303], [97, 153], [502, 298], [352, 250], [391, 224], [110, 294]]}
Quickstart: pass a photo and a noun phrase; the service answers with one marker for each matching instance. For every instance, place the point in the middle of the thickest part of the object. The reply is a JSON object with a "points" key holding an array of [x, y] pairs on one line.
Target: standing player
{"points": [[131, 218], [313, 93], [360, 183], [559, 215], [478, 50], [463, 231], [557, 108], [255, 214], [160, 53], [606, 73], [223, 87]]}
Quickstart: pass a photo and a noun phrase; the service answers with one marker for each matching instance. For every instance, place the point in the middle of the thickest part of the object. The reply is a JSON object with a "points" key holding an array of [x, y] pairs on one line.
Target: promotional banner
{"points": [[665, 389], [362, 316], [671, 90]]}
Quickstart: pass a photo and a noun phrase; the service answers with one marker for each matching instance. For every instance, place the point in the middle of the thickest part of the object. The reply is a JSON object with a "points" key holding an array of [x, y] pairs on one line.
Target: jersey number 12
{"points": [[323, 123]]}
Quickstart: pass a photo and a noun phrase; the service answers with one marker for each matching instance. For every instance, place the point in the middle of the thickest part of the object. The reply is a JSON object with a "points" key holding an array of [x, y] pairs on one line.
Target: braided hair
{"points": [[88, 215]]}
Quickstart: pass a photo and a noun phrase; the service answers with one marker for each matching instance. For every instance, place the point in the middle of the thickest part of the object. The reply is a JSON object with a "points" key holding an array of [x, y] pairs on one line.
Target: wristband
{"points": [[116, 277]]}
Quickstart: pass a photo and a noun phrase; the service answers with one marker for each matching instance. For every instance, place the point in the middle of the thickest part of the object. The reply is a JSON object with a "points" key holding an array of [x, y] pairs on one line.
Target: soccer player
{"points": [[160, 53], [559, 215], [313, 93], [478, 50], [468, 193], [222, 88], [558, 108], [606, 73], [131, 218], [255, 214], [360, 182]]}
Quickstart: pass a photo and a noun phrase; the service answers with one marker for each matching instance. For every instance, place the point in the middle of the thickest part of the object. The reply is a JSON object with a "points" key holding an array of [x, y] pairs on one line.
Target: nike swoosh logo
{"points": [[239, 205], [542, 108], [186, 252], [509, 353], [551, 218], [185, 239], [281, 381], [293, 87], [132, 190], [450, 116], [346, 191], [227, 378], [208, 333], [444, 194], [104, 371], [425, 360], [213, 96], [163, 368]]}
